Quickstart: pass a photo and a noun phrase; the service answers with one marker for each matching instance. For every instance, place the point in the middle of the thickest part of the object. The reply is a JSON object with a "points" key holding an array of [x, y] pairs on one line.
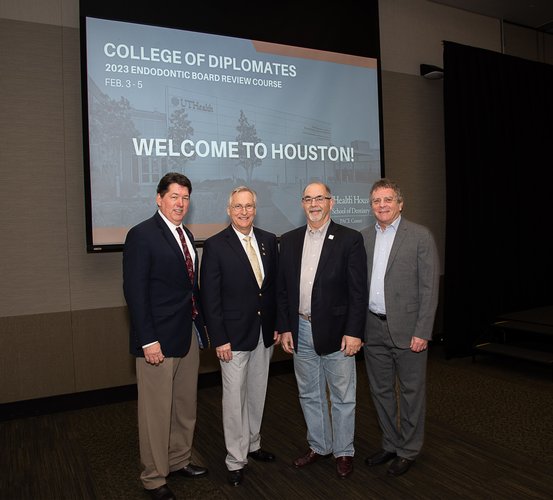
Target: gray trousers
{"points": [[397, 379]]}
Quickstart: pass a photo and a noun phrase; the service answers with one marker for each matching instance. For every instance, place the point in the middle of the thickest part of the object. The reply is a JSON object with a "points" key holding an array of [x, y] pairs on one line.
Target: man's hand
{"points": [[418, 345], [224, 352], [153, 354], [287, 342], [350, 345]]}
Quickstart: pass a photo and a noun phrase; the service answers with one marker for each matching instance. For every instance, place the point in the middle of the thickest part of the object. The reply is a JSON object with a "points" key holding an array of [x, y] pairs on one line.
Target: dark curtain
{"points": [[499, 155]]}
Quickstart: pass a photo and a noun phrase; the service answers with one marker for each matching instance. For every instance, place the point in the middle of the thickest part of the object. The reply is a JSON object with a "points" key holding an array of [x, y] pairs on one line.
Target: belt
{"points": [[306, 317], [381, 317]]}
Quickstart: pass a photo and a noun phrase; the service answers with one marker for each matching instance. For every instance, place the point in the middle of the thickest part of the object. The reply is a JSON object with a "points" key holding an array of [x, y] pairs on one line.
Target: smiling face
{"points": [[241, 211], [174, 203], [385, 206], [317, 204]]}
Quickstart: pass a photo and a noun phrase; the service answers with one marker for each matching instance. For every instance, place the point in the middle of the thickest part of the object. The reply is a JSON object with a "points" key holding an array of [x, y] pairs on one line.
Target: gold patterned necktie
{"points": [[253, 260]]}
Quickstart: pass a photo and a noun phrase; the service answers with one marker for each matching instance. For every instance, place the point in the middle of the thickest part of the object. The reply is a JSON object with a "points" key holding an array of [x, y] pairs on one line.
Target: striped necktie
{"points": [[189, 268]]}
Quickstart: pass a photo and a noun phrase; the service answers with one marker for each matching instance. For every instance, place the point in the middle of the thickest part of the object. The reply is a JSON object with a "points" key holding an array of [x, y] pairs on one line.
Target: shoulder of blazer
{"points": [[294, 233], [223, 241], [367, 232], [412, 229], [223, 234], [335, 227], [262, 234], [339, 229], [409, 225], [157, 219], [154, 220], [160, 223], [150, 225]]}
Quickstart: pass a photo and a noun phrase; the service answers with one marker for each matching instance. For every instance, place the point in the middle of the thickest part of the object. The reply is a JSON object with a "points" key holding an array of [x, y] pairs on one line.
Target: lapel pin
{"points": [[330, 236]]}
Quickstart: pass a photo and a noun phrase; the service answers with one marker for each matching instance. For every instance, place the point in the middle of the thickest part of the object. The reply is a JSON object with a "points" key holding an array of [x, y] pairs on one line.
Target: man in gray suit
{"points": [[403, 280]]}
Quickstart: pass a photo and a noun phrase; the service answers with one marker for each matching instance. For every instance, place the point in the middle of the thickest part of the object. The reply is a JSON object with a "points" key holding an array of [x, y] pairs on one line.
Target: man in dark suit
{"points": [[322, 304], [403, 282], [166, 334], [238, 283]]}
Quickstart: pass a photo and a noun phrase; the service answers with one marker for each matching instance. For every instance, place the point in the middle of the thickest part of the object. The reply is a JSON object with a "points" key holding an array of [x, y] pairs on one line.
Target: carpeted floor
{"points": [[500, 407], [501, 400]]}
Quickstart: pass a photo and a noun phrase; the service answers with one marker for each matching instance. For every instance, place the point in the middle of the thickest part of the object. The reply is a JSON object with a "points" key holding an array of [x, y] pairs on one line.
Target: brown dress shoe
{"points": [[344, 466], [307, 459]]}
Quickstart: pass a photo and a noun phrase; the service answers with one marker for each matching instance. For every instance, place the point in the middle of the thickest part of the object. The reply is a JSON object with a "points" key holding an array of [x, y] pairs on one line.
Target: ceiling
{"points": [[536, 14]]}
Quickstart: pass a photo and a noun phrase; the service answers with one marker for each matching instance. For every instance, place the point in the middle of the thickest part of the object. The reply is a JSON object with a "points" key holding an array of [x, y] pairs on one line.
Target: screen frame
{"points": [[343, 31]]}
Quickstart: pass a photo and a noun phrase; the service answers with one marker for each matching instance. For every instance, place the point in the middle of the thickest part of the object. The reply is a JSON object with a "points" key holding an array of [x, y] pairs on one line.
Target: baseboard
{"points": [[79, 400]]}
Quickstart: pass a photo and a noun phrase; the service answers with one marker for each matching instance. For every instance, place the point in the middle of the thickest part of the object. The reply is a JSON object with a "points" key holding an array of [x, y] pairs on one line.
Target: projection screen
{"points": [[225, 111]]}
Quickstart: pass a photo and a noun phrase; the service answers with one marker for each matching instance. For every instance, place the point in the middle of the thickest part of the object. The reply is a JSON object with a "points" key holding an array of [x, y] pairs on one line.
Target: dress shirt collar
{"points": [[170, 225], [241, 236], [322, 230], [394, 224]]}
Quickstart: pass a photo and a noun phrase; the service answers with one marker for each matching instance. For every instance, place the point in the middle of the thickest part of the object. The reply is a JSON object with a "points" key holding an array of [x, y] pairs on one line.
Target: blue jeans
{"points": [[326, 432]]}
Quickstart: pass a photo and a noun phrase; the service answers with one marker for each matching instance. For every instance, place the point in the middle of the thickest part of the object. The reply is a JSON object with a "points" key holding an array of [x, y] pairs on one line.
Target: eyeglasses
{"points": [[317, 199], [240, 208], [387, 200]]}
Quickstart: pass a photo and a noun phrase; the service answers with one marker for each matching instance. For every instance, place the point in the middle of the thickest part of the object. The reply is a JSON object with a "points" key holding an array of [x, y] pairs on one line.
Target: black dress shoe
{"points": [[235, 477], [191, 471], [261, 455], [162, 493], [380, 457], [399, 466]]}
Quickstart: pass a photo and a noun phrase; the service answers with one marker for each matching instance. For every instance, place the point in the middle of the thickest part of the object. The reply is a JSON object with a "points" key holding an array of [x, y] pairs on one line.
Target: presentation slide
{"points": [[225, 112]]}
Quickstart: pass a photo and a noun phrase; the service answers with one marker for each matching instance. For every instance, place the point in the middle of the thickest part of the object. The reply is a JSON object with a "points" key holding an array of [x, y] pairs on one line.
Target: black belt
{"points": [[381, 317], [306, 317]]}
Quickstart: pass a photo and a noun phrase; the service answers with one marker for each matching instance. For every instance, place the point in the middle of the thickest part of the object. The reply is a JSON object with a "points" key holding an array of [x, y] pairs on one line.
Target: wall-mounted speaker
{"points": [[431, 72]]}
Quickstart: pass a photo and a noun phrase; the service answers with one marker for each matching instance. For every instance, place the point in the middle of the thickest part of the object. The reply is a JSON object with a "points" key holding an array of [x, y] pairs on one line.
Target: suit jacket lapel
{"points": [[237, 246], [169, 238], [297, 240], [175, 246], [262, 244], [369, 247], [328, 247], [400, 236]]}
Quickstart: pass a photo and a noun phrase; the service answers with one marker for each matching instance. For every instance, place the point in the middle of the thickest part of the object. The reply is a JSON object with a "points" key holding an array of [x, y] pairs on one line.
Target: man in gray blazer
{"points": [[403, 280]]}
